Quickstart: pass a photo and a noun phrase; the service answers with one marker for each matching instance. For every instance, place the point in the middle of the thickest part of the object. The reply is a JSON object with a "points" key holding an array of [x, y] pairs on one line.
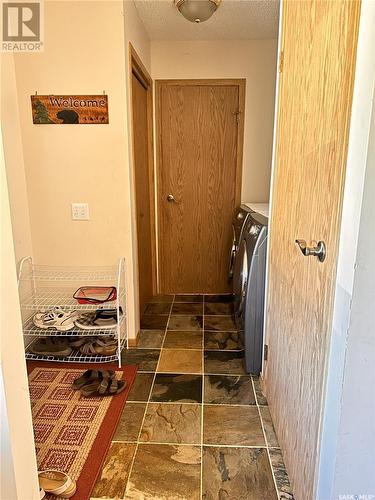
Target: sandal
{"points": [[108, 387], [99, 347], [91, 377], [78, 342], [87, 377], [50, 346], [57, 483], [116, 386], [96, 383]]}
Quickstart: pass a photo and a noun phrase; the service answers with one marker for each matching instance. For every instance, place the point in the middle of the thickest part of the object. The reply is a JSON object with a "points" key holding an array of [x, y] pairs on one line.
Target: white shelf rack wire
{"points": [[43, 287], [77, 357]]}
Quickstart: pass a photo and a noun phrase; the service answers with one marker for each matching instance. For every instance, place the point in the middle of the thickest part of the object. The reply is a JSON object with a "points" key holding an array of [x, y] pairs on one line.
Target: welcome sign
{"points": [[69, 109]]}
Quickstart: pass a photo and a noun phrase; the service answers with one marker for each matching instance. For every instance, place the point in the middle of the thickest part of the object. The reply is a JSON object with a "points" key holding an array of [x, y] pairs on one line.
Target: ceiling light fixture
{"points": [[197, 11]]}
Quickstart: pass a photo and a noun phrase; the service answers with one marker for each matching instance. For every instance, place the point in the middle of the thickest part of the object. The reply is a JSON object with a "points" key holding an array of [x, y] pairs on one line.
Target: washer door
{"points": [[241, 273], [232, 256]]}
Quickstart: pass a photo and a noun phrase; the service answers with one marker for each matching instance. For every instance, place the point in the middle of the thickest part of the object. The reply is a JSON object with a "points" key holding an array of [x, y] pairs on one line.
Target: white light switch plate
{"points": [[80, 211]]}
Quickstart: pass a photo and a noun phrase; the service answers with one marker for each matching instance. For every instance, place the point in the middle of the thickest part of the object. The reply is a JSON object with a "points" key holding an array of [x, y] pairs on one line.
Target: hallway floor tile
{"points": [[130, 422], [158, 308], [228, 389], [140, 390], [180, 361], [180, 322], [183, 339], [149, 339], [237, 473], [185, 308], [165, 472], [219, 323], [220, 308], [188, 298], [223, 341], [178, 388], [224, 362], [172, 423], [146, 359], [195, 426], [154, 321], [232, 425], [113, 477]]}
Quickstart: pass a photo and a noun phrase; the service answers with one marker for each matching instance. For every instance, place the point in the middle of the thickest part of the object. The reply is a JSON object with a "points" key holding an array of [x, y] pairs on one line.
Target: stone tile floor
{"points": [[195, 425]]}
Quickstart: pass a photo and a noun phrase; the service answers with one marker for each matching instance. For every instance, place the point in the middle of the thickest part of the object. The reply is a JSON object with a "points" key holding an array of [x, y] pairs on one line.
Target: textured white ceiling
{"points": [[234, 20]]}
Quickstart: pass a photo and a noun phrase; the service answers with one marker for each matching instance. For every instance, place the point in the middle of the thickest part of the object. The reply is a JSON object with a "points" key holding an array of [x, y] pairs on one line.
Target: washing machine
{"points": [[259, 208], [238, 222], [249, 288], [239, 218]]}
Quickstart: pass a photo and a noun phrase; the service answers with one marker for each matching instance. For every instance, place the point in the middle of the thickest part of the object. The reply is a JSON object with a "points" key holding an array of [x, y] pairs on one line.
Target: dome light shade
{"points": [[197, 11]]}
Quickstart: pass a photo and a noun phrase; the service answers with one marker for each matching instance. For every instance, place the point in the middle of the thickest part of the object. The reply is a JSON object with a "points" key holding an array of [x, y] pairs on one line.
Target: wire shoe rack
{"points": [[42, 288]]}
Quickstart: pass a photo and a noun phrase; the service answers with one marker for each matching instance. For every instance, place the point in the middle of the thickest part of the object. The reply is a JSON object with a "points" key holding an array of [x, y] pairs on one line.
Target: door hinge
{"points": [[265, 352], [281, 62]]}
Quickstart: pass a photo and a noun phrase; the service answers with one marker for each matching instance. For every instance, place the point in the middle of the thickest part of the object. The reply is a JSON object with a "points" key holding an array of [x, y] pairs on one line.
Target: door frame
{"points": [[237, 82], [137, 67]]}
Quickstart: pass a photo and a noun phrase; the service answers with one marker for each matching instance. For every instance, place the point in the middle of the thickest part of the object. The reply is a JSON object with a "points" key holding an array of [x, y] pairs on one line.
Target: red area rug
{"points": [[73, 433]]}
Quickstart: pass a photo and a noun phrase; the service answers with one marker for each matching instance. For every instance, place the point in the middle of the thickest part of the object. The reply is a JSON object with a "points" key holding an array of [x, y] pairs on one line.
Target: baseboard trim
{"points": [[134, 342]]}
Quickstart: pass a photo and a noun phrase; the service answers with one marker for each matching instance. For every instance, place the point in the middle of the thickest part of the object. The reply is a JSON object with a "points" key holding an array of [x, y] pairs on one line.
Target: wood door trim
{"points": [[202, 81], [238, 82], [137, 67]]}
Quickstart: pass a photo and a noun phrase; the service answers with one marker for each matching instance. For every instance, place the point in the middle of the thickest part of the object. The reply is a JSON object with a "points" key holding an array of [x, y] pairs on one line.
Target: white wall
{"points": [[47, 169], [254, 60], [77, 163], [347, 444], [356, 436], [65, 164], [18, 462], [137, 36], [13, 152], [86, 52]]}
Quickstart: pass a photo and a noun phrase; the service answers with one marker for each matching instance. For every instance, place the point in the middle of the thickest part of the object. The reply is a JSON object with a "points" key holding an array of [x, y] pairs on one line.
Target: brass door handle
{"points": [[318, 251]]}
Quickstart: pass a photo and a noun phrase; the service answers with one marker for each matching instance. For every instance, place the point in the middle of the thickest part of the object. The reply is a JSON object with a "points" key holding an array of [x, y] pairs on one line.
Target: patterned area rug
{"points": [[73, 433]]}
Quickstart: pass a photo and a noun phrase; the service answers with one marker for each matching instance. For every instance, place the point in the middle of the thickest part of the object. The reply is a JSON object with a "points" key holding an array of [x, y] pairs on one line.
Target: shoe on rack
{"points": [[55, 318], [100, 346], [106, 313], [97, 320], [76, 342], [51, 346]]}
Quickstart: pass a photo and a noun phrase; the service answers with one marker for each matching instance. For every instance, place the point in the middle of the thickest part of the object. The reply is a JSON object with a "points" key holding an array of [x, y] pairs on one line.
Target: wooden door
{"points": [[200, 128], [315, 93], [143, 186]]}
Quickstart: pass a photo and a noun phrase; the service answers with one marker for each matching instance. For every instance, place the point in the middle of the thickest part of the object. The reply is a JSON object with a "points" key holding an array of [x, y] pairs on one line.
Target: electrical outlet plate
{"points": [[80, 211]]}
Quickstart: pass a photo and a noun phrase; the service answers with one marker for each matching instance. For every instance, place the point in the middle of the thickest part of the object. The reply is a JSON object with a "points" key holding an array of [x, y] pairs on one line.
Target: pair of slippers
{"points": [[99, 383]]}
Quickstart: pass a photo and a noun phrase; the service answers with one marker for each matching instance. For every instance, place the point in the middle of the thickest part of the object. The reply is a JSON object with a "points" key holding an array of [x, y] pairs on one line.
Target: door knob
{"points": [[171, 198], [318, 251]]}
